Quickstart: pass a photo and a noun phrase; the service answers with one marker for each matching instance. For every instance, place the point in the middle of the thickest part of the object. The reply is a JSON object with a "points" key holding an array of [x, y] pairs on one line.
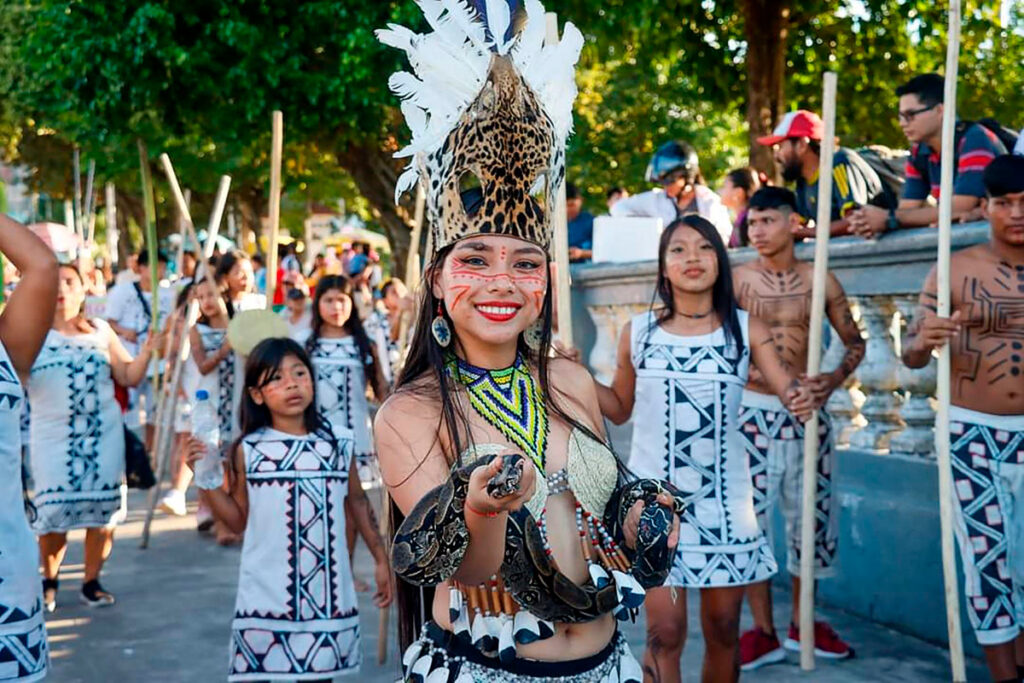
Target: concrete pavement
{"points": [[172, 621]]}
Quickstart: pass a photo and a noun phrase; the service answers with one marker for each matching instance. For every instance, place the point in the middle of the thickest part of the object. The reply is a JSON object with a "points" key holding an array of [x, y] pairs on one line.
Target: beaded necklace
{"points": [[510, 400]]}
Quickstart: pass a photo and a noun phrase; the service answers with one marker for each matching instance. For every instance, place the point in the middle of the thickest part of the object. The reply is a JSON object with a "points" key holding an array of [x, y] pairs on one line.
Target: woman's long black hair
{"points": [[354, 326], [260, 366], [723, 301], [427, 359]]}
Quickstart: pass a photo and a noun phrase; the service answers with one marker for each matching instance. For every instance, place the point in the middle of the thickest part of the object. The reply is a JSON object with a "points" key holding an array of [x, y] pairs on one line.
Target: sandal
{"points": [[93, 594]]}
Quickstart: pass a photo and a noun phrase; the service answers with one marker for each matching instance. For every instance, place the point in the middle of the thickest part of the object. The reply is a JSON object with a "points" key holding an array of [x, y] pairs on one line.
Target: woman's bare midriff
{"points": [[570, 641]]}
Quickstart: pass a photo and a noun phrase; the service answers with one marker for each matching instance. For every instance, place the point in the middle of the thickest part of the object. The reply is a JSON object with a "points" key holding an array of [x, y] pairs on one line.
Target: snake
{"points": [[431, 543]]}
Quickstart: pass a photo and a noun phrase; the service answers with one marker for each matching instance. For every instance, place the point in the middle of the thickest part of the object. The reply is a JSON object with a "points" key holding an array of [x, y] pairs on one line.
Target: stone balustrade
{"points": [[884, 407]]}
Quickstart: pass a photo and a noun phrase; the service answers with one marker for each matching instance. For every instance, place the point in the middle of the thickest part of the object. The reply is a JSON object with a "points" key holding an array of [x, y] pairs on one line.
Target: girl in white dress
{"points": [[290, 478], [77, 437], [346, 364], [680, 375], [235, 276], [24, 323]]}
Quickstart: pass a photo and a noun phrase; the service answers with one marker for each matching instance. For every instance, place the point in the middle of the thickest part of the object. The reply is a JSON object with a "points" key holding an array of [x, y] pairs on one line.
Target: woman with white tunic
{"points": [[77, 437], [24, 324], [680, 375]]}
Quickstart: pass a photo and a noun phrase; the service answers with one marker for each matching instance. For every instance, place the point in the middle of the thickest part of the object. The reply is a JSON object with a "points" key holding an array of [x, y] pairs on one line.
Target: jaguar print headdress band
{"points": [[489, 105]]}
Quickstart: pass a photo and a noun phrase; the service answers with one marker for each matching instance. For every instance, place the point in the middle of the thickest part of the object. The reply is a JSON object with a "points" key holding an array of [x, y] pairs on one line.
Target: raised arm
{"points": [[207, 362], [617, 400], [128, 371], [29, 312]]}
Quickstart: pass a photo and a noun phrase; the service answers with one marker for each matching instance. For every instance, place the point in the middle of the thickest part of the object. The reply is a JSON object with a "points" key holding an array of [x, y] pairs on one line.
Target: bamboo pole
{"points": [[111, 212], [150, 234], [179, 258], [181, 355], [810, 478], [413, 272], [943, 393], [76, 164], [276, 148], [385, 612], [563, 281], [90, 204]]}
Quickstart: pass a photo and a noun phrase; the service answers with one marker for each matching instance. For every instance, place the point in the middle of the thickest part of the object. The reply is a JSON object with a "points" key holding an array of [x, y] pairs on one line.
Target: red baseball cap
{"points": [[796, 124]]}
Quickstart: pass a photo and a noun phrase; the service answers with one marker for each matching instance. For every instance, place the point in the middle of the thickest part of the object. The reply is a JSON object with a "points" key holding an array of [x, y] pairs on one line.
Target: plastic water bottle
{"points": [[209, 474]]}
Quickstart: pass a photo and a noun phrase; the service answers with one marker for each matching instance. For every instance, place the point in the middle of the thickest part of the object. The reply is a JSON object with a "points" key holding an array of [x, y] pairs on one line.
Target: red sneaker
{"points": [[757, 649], [827, 643]]}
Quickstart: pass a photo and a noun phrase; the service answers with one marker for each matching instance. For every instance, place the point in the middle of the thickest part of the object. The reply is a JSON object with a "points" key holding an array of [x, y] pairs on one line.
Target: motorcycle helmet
{"points": [[674, 159]]}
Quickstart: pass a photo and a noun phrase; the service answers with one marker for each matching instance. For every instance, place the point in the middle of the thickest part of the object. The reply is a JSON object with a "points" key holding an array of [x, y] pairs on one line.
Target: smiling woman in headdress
{"points": [[519, 538]]}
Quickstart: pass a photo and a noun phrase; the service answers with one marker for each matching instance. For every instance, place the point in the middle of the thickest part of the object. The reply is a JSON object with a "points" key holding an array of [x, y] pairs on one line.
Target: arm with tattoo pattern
{"points": [[917, 351], [839, 314]]}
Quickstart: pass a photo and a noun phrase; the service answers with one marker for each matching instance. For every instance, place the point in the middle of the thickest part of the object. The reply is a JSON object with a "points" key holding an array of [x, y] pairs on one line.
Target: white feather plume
{"points": [[449, 66]]}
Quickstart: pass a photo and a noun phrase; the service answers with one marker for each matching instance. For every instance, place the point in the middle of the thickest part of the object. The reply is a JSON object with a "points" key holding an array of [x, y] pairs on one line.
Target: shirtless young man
{"points": [[777, 289], [986, 331]]}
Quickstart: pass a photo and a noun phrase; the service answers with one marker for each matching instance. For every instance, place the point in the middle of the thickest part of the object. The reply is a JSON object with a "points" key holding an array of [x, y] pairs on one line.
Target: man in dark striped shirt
{"points": [[920, 117]]}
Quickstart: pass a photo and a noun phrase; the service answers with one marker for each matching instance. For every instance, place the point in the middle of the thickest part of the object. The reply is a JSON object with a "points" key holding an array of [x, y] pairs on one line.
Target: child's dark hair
{"points": [[773, 197], [354, 326], [225, 263], [723, 302], [261, 365]]}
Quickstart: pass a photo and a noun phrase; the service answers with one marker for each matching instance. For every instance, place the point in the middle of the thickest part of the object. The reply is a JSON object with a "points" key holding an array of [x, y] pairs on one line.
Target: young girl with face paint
{"points": [[680, 373], [290, 480]]}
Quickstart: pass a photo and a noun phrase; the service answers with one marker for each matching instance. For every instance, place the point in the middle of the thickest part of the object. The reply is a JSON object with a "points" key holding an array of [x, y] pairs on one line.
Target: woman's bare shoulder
{"points": [[574, 386]]}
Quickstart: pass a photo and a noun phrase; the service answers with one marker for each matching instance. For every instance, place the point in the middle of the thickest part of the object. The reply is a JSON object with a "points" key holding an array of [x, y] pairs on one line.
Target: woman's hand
{"points": [[478, 500], [632, 523], [385, 587]]}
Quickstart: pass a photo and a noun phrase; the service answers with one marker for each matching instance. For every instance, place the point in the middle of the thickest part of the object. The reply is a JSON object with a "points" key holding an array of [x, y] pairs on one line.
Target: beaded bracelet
{"points": [[478, 512]]}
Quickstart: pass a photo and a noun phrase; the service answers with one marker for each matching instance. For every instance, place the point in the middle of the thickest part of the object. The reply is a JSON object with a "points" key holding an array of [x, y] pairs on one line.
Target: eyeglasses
{"points": [[908, 116]]}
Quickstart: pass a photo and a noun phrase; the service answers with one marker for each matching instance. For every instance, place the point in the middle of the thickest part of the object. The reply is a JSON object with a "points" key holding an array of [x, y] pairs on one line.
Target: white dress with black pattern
{"points": [[223, 383], [296, 615], [686, 430], [341, 391], [76, 434], [23, 652]]}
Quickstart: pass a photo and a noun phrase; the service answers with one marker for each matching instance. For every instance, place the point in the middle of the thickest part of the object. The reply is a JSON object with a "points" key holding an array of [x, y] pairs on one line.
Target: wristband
{"points": [[478, 512]]}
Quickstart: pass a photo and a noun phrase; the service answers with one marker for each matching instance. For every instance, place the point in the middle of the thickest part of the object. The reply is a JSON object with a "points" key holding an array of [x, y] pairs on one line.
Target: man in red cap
{"points": [[797, 144]]}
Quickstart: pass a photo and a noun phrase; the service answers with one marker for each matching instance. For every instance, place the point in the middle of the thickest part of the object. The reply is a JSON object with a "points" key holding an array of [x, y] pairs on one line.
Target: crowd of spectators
{"points": [[874, 189]]}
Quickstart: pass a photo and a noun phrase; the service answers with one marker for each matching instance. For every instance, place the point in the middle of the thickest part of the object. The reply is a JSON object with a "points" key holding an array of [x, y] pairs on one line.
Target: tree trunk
{"points": [[375, 174], [766, 24]]}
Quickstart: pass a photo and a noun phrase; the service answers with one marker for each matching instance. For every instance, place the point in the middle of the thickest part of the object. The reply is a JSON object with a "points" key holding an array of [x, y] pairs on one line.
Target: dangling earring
{"points": [[534, 335], [439, 328]]}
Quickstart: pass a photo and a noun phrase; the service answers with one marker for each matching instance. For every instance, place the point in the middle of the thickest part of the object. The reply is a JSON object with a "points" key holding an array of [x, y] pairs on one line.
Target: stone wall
{"points": [[889, 566]]}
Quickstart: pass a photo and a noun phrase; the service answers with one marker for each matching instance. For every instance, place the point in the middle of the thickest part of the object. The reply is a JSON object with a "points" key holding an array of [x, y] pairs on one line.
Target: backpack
{"points": [[891, 167], [1007, 136]]}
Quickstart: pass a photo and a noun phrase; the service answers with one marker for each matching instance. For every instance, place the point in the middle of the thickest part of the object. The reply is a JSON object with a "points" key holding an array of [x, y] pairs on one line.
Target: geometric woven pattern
{"points": [[212, 339], [295, 616], [23, 654], [685, 430], [77, 458], [341, 389], [988, 475], [774, 441]]}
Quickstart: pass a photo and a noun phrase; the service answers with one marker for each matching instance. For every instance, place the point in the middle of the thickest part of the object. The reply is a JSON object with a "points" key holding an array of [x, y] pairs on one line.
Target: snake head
{"points": [[506, 481]]}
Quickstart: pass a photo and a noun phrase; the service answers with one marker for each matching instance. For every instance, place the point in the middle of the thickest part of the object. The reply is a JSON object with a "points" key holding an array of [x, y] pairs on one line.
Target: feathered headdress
{"points": [[489, 105]]}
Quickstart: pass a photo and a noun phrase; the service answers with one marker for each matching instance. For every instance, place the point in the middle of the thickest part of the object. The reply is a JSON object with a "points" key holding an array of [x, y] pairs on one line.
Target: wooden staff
{"points": [[385, 612], [413, 272], [76, 163], [111, 212], [943, 393], [181, 355], [179, 259], [276, 144], [563, 281], [90, 204], [810, 480]]}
